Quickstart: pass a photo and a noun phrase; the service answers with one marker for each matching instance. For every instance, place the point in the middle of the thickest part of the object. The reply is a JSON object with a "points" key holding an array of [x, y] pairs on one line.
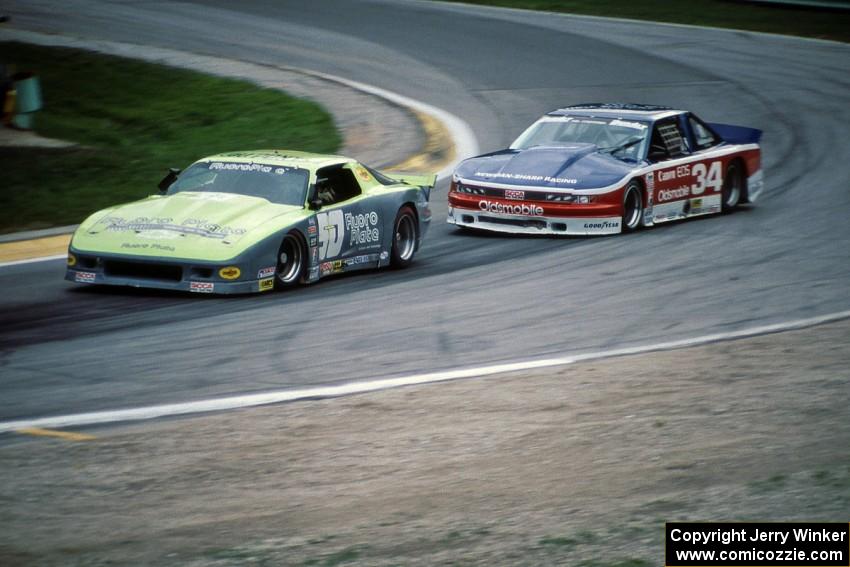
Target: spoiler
{"points": [[427, 180], [737, 134]]}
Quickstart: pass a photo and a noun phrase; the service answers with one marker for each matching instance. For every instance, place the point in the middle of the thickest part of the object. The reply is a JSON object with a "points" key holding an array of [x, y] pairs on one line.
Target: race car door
{"points": [[349, 222], [686, 183]]}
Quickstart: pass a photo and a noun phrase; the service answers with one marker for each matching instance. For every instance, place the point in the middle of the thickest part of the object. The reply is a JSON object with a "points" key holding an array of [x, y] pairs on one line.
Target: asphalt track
{"points": [[468, 300]]}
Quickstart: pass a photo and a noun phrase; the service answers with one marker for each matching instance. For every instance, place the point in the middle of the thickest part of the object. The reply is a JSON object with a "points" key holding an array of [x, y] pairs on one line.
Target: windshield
{"points": [[621, 138], [276, 184]]}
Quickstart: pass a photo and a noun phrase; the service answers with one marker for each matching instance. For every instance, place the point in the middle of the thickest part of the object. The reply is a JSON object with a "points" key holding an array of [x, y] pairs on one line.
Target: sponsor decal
{"points": [[526, 177], [160, 226], [514, 194], [667, 175], [363, 228], [363, 173], [671, 194], [266, 284], [359, 260], [331, 267], [155, 246], [266, 272], [84, 277], [221, 166], [311, 229], [627, 124], [314, 256], [505, 209], [602, 225], [230, 272], [201, 287], [650, 181], [314, 241], [384, 255], [314, 273]]}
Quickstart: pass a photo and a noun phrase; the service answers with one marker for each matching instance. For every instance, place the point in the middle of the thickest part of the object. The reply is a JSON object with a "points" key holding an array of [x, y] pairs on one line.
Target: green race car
{"points": [[254, 221]]}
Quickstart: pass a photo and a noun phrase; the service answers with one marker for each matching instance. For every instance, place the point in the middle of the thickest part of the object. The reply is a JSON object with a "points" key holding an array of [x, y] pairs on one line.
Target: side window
{"points": [[667, 141], [336, 184], [703, 137]]}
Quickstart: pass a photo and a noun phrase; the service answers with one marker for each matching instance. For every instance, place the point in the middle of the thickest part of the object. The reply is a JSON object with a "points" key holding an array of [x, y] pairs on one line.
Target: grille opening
{"points": [[559, 226], [143, 270], [205, 273], [468, 218], [535, 223], [87, 262]]}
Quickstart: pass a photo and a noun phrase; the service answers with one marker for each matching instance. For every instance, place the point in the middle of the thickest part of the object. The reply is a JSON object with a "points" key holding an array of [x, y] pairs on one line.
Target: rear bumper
{"points": [[522, 224]]}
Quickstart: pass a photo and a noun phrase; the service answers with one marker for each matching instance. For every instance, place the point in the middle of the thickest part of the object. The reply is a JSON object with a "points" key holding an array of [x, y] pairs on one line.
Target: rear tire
{"points": [[291, 261], [404, 238], [632, 207], [733, 188]]}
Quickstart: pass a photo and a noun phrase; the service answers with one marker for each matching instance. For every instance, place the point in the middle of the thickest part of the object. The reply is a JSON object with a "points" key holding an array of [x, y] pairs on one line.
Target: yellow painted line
{"points": [[37, 248], [67, 435], [437, 152]]}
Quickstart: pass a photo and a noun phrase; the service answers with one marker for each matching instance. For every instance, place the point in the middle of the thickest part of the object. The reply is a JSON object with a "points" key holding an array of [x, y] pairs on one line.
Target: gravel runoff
{"points": [[555, 467], [366, 121]]}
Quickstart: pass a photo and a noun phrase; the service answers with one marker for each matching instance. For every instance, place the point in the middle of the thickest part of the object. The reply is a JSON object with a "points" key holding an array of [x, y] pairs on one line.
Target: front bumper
{"points": [[538, 224], [158, 273]]}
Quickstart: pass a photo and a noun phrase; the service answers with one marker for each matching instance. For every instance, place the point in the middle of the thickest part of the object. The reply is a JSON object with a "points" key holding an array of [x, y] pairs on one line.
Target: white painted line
{"points": [[318, 392], [251, 400], [32, 260]]}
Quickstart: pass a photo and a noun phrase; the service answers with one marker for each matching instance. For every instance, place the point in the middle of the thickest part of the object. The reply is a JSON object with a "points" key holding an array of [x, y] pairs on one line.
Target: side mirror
{"points": [[169, 179], [656, 155], [314, 204]]}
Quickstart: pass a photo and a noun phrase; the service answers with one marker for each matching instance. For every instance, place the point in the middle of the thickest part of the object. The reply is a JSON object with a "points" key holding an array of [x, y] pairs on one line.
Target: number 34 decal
{"points": [[706, 177]]}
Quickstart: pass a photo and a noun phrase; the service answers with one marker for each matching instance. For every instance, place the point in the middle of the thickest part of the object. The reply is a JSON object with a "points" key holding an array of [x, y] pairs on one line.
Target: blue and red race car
{"points": [[608, 168]]}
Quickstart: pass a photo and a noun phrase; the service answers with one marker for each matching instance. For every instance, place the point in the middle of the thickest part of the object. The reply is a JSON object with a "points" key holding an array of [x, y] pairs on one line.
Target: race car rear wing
{"points": [[737, 134], [426, 181]]}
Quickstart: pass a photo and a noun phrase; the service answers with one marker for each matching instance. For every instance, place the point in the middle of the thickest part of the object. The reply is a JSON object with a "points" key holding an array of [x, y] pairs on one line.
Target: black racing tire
{"points": [[733, 187], [291, 261], [405, 233], [632, 207]]}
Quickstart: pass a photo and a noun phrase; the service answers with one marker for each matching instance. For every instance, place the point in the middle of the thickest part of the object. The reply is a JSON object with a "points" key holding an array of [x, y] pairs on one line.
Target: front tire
{"points": [[404, 238], [632, 207], [733, 188], [291, 261]]}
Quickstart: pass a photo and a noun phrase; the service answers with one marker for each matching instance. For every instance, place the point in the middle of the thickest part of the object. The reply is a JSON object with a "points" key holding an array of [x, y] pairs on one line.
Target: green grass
{"points": [[714, 13], [133, 120]]}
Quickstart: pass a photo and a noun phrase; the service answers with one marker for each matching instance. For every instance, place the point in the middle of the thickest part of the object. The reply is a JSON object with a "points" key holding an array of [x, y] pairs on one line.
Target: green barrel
{"points": [[28, 100]]}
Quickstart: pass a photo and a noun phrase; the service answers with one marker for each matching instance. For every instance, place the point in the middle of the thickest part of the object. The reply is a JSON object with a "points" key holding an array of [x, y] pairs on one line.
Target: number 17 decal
{"points": [[706, 178], [331, 233]]}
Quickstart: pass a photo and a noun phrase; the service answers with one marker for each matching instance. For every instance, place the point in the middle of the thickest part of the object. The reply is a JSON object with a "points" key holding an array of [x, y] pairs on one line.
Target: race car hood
{"points": [[577, 166], [207, 226]]}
